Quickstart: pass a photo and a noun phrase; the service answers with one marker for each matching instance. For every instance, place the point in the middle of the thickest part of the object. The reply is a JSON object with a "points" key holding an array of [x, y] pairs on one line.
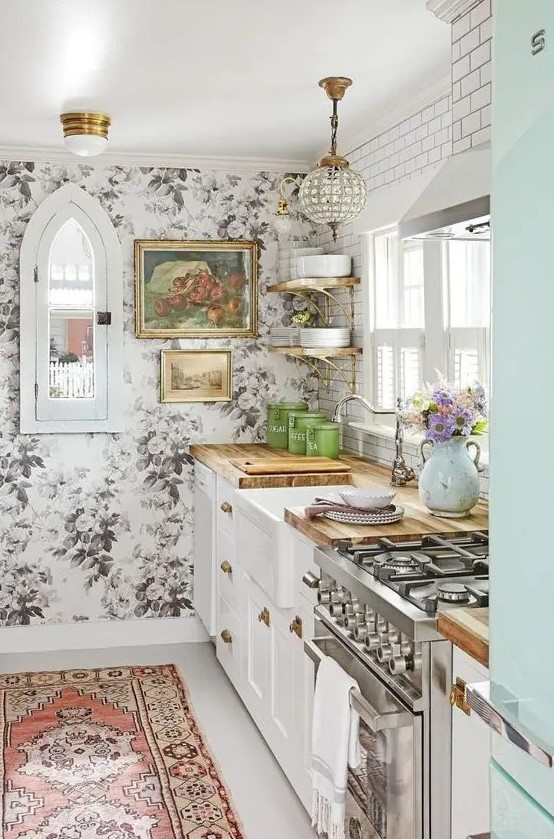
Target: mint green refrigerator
{"points": [[519, 702]]}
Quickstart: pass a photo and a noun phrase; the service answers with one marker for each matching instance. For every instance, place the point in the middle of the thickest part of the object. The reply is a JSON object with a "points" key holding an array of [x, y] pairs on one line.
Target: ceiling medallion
{"points": [[85, 134], [332, 193]]}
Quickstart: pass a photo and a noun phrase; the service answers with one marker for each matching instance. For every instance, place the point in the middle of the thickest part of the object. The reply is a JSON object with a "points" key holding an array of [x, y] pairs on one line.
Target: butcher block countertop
{"points": [[468, 629], [417, 520]]}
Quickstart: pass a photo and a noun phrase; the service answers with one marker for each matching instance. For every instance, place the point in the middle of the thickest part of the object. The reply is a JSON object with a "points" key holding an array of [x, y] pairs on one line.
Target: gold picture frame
{"points": [[196, 289], [196, 375]]}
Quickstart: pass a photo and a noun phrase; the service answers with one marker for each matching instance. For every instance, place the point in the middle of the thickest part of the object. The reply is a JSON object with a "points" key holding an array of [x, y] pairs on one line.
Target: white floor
{"points": [[264, 799]]}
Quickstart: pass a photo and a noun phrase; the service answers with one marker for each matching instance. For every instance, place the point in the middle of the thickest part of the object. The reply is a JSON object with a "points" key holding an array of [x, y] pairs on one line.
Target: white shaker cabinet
{"points": [[204, 545], [470, 758]]}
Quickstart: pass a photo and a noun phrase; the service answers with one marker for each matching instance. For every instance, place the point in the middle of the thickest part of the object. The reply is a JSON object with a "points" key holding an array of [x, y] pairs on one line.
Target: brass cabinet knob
{"points": [[226, 507], [226, 637], [265, 617], [458, 696], [296, 626], [226, 567]]}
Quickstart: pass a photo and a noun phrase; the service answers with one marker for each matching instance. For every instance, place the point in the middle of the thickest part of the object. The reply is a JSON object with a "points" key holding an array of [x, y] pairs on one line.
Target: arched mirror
{"points": [[71, 316]]}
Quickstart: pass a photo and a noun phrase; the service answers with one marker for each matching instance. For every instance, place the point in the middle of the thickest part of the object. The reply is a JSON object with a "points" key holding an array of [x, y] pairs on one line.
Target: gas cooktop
{"points": [[433, 573]]}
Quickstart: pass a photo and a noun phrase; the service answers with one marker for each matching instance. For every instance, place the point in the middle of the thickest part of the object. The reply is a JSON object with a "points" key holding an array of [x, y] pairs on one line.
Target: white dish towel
{"points": [[335, 747]]}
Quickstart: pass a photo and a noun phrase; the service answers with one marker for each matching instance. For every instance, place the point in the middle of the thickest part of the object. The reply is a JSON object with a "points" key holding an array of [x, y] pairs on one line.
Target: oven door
{"points": [[384, 799]]}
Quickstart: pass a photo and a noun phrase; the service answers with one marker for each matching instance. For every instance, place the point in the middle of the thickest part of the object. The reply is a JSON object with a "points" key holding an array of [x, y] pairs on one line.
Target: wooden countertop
{"points": [[468, 629], [417, 520]]}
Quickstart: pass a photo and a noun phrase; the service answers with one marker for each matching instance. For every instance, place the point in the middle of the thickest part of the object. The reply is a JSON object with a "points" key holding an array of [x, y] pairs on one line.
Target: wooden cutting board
{"points": [[285, 466]]}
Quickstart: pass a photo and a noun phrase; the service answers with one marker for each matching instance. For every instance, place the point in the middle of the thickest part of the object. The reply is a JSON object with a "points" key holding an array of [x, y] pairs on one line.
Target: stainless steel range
{"points": [[377, 615]]}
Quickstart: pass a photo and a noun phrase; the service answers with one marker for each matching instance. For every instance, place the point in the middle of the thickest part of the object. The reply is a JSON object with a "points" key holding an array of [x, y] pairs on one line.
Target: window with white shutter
{"points": [[398, 318], [429, 314]]}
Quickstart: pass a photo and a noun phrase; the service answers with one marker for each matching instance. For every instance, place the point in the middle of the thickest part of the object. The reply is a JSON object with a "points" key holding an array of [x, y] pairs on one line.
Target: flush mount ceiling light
{"points": [[332, 193], [85, 134]]}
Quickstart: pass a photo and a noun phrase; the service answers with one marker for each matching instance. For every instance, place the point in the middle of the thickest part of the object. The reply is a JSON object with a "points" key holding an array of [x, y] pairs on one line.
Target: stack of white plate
{"points": [[296, 254], [284, 336], [325, 337]]}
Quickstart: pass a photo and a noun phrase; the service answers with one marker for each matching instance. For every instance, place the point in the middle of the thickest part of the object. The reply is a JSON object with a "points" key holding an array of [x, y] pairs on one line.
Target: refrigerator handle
{"points": [[503, 717]]}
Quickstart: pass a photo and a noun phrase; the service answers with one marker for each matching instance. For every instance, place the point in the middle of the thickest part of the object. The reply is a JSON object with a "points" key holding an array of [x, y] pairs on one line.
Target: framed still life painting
{"points": [[196, 289], [196, 376]]}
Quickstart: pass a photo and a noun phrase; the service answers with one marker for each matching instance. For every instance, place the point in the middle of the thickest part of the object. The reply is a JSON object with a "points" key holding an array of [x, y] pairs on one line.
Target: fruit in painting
{"points": [[198, 294], [234, 307], [236, 281], [218, 293], [162, 307], [216, 315], [205, 279], [179, 302], [179, 283]]}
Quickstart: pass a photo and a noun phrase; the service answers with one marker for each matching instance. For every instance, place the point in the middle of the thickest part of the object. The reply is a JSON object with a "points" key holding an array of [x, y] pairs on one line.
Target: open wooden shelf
{"points": [[317, 352], [314, 284]]}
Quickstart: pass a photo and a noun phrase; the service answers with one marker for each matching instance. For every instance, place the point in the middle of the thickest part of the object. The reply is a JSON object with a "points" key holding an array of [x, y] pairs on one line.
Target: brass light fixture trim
{"points": [[84, 122]]}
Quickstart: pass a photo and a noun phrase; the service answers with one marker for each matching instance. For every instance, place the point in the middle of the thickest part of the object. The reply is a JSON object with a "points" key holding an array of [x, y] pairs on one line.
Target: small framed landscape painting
{"points": [[196, 289], [196, 376]]}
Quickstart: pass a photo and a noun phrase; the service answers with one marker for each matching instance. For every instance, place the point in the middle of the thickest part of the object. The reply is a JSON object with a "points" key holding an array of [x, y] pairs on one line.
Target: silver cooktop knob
{"points": [[361, 632], [417, 660], [335, 609], [390, 637], [369, 613], [384, 653], [382, 625], [372, 641], [324, 596], [350, 621], [398, 664]]}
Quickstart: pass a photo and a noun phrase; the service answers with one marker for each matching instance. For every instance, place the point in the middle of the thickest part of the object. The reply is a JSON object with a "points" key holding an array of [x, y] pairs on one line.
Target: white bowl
{"points": [[324, 265], [367, 498]]}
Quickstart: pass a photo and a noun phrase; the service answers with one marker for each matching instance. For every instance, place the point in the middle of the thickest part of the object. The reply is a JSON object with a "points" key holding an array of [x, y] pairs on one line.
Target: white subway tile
{"points": [[435, 125], [410, 138], [486, 116], [389, 176], [456, 51], [422, 131], [428, 113], [400, 171], [378, 181], [442, 106], [442, 136], [482, 136], [486, 73], [446, 149], [461, 109], [374, 144], [469, 42], [481, 97], [460, 27], [404, 127], [428, 143], [461, 145], [446, 120], [456, 91], [415, 121], [457, 131], [480, 55], [460, 68], [434, 155], [485, 30], [471, 124], [399, 144], [480, 13], [393, 133], [410, 166], [471, 83], [383, 139], [422, 160]]}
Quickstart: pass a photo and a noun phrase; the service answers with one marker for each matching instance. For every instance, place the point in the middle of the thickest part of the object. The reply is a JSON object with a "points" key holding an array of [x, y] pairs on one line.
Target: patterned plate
{"points": [[388, 516]]}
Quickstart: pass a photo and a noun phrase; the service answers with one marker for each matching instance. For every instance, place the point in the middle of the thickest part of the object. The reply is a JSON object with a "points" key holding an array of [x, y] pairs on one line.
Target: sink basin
{"points": [[264, 540]]}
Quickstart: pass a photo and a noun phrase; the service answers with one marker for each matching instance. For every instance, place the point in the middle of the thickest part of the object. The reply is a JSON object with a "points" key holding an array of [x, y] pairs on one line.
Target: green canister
{"points": [[298, 423], [278, 422], [323, 440]]}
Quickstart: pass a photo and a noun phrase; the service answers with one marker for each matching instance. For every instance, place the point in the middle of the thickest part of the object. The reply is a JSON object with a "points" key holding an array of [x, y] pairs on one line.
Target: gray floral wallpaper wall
{"points": [[98, 527]]}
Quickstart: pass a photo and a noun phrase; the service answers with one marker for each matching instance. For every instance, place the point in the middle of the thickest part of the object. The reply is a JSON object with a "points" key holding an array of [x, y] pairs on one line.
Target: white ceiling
{"points": [[222, 78]]}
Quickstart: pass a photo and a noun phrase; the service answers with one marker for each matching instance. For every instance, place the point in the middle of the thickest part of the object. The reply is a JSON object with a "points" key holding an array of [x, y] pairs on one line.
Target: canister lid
{"points": [[289, 406]]}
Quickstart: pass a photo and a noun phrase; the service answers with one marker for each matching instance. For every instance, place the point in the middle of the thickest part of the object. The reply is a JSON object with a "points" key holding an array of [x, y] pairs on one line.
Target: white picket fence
{"points": [[74, 380]]}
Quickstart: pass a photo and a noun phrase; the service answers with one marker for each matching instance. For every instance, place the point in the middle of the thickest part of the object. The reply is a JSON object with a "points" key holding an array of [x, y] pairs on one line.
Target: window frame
{"points": [[104, 412], [438, 344]]}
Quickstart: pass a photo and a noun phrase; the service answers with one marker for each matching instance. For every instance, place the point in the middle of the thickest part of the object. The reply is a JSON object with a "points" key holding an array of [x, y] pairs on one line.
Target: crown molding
{"points": [[387, 118], [450, 10], [227, 164]]}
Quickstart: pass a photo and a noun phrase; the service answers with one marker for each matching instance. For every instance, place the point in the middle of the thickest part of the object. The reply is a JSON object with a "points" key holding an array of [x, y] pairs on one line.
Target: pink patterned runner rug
{"points": [[114, 753]]}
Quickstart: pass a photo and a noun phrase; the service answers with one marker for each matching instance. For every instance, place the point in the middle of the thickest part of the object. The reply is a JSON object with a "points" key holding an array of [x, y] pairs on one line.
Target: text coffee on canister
{"points": [[298, 423], [278, 422]]}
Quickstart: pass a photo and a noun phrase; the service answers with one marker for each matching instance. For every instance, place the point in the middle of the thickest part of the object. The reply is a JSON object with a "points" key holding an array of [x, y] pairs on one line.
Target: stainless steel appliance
{"points": [[377, 617]]}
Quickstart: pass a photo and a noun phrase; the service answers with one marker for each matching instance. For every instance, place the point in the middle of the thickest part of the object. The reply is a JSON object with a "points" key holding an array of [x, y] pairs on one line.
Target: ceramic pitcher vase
{"points": [[449, 481]]}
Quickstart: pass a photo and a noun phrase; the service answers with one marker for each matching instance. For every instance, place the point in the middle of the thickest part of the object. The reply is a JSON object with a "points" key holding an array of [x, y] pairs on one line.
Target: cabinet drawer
{"points": [[225, 500], [228, 641], [228, 573]]}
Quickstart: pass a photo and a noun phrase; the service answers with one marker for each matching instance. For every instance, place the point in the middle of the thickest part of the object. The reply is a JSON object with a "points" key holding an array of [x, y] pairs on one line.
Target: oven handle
{"points": [[374, 720]]}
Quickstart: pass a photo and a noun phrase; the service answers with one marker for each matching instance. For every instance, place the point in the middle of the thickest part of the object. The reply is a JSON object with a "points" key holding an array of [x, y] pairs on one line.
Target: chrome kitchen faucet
{"points": [[401, 472]]}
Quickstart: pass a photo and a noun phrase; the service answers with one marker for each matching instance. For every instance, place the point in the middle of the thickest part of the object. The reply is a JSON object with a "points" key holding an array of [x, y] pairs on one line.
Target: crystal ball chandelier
{"points": [[332, 193]]}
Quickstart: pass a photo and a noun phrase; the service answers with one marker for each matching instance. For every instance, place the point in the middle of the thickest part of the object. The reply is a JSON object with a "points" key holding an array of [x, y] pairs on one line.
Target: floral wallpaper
{"points": [[99, 527]]}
